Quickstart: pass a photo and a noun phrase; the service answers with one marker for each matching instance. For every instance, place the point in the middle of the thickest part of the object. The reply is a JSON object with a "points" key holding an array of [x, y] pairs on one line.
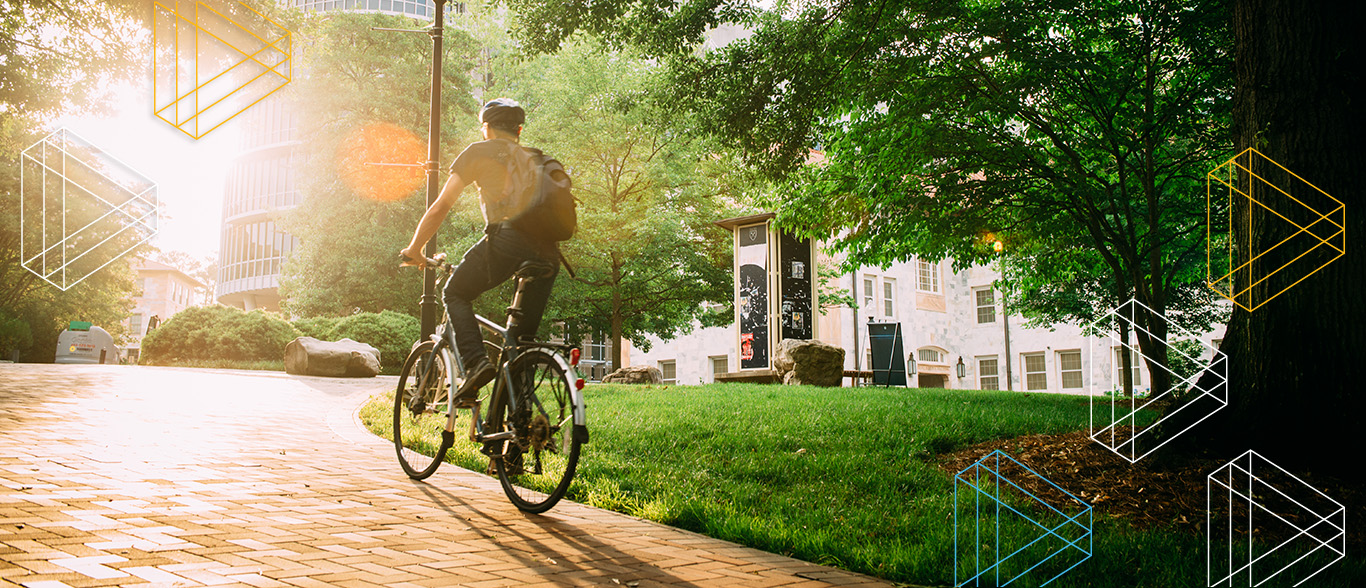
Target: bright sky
{"points": [[189, 173]]}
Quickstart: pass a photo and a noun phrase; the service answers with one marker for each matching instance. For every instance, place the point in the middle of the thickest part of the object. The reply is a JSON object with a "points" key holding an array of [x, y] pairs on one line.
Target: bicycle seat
{"points": [[535, 269]]}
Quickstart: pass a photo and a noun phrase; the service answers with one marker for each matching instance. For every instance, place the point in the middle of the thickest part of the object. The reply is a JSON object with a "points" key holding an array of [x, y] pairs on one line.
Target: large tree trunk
{"points": [[1293, 395]]}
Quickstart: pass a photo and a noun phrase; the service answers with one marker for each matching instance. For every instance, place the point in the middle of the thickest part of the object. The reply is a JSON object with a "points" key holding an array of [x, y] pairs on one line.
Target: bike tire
{"points": [[419, 438], [537, 469]]}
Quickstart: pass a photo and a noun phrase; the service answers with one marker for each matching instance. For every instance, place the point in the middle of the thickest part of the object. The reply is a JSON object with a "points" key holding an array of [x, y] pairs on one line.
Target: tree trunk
{"points": [[1291, 395], [616, 314]]}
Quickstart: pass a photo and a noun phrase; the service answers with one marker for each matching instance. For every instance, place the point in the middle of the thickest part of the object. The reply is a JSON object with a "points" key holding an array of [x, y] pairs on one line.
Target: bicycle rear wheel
{"points": [[420, 406], [537, 468]]}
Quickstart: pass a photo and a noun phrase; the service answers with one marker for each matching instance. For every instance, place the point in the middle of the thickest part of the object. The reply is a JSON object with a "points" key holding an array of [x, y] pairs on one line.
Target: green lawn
{"points": [[837, 476]]}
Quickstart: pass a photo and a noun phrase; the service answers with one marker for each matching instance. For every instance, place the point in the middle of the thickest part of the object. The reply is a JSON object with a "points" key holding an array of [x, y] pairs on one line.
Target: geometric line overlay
{"points": [[1003, 532], [214, 59], [1300, 229], [80, 209], [1263, 523], [1123, 427]]}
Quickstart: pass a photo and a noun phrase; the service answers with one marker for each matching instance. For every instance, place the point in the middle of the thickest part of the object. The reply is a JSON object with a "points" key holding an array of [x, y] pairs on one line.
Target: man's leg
{"points": [[480, 270]]}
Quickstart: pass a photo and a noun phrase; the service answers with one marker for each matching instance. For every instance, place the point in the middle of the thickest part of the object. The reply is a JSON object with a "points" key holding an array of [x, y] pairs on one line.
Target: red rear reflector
{"points": [[574, 357], [579, 384]]}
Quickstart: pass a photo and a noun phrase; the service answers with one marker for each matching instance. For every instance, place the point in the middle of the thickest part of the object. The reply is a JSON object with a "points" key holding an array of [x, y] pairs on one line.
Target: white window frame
{"points": [[888, 297], [981, 372], [672, 363], [712, 362], [920, 355], [1136, 366], [978, 306], [869, 282], [1024, 369], [925, 269], [1062, 373]]}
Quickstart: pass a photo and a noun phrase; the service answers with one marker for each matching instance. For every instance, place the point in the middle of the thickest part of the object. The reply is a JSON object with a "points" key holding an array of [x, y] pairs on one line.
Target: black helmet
{"points": [[503, 113]]}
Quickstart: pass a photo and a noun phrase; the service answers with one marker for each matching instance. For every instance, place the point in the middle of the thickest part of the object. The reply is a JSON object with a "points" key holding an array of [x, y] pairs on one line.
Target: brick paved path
{"points": [[119, 476]]}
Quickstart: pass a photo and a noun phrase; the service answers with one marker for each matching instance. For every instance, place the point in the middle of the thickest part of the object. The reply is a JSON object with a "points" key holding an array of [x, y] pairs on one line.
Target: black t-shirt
{"points": [[484, 164]]}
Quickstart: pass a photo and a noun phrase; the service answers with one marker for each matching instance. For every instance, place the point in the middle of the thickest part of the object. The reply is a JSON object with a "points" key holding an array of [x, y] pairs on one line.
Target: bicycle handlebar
{"points": [[437, 261]]}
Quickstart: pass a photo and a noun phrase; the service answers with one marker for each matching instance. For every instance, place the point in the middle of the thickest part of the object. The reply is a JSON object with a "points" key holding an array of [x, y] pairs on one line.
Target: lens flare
{"points": [[382, 143]]}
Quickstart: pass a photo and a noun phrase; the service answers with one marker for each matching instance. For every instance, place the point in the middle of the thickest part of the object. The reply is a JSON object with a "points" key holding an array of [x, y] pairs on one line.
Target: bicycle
{"points": [[535, 424]]}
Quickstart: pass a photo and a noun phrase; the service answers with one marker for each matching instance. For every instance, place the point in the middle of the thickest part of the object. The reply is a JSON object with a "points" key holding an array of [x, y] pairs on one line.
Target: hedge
{"points": [[218, 332]]}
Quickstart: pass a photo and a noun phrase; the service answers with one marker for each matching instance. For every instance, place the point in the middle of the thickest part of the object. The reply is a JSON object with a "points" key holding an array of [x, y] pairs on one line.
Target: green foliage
{"points": [[318, 327], [646, 253], [218, 333], [15, 335], [348, 253], [391, 332]]}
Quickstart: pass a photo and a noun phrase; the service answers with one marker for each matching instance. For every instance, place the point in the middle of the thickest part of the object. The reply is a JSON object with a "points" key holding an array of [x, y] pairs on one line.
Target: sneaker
{"points": [[479, 374]]}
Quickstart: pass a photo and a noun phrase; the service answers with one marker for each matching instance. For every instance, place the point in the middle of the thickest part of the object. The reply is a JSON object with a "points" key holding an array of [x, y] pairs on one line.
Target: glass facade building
{"points": [[261, 183]]}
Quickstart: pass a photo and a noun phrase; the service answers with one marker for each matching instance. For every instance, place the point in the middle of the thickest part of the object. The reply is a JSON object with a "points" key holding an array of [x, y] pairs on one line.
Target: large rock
{"points": [[807, 362], [307, 356], [635, 374]]}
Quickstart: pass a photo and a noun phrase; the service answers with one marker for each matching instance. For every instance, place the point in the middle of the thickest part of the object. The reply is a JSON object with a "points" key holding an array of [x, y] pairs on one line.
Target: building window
{"points": [[868, 282], [670, 370], [929, 276], [1036, 375], [135, 325], [720, 364], [1134, 364], [988, 373], [986, 306], [597, 347], [930, 356], [888, 297], [1069, 368]]}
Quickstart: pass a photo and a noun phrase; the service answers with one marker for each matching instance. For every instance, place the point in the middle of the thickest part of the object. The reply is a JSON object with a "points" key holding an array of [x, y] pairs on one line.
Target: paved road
{"points": [[120, 476]]}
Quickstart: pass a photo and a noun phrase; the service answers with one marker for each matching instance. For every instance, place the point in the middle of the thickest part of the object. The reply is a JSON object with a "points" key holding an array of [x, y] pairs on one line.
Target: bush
{"points": [[319, 327], [218, 333], [393, 333]]}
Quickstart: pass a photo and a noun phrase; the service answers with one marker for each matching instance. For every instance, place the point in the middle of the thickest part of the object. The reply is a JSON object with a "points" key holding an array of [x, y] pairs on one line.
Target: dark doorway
{"points": [[934, 381]]}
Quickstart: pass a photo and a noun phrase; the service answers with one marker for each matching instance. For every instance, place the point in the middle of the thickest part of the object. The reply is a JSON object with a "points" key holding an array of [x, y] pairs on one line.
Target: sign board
{"points": [[752, 295], [889, 359], [775, 288]]}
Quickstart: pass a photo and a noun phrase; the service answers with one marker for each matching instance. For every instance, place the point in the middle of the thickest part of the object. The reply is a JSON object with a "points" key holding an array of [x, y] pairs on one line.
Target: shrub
{"points": [[393, 333], [318, 327], [218, 333]]}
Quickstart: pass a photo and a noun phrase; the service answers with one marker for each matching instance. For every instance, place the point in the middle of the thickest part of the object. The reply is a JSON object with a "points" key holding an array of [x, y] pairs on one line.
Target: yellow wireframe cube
{"points": [[213, 60], [1307, 224]]}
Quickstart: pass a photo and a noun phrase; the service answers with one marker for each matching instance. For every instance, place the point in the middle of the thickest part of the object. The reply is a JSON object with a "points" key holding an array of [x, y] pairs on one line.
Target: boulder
{"points": [[809, 362], [635, 374], [307, 356]]}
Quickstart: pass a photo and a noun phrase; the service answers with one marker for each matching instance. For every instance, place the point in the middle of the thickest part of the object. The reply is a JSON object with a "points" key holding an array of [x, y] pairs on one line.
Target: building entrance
{"points": [[933, 381]]}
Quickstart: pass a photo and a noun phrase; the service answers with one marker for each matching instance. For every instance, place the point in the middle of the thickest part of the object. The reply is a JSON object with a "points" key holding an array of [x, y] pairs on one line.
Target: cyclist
{"points": [[498, 254]]}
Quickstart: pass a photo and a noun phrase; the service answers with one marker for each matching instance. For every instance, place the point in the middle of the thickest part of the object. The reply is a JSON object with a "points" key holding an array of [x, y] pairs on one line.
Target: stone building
{"points": [[162, 291], [946, 317]]}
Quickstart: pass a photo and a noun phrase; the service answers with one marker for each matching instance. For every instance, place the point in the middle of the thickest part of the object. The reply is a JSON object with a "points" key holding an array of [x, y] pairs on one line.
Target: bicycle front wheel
{"points": [[537, 468], [420, 406]]}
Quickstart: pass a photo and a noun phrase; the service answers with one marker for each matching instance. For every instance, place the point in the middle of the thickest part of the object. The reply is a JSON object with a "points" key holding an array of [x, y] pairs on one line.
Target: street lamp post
{"points": [[432, 165]]}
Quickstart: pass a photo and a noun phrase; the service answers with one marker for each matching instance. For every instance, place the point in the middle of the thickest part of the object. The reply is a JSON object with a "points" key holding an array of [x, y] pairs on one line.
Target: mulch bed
{"points": [[1150, 493]]}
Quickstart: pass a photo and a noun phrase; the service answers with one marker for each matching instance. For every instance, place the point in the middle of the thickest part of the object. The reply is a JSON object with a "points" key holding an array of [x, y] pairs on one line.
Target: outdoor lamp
{"points": [[962, 369], [910, 365]]}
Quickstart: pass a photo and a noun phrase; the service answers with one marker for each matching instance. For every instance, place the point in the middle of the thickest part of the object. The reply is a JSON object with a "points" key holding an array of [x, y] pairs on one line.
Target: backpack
{"points": [[539, 189]]}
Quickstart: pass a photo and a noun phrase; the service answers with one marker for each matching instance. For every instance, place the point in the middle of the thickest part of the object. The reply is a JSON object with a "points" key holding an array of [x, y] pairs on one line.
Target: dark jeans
{"points": [[487, 264]]}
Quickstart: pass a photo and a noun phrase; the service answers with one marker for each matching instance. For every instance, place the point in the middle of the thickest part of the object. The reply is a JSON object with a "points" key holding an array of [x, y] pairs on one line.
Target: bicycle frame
{"points": [[445, 346]]}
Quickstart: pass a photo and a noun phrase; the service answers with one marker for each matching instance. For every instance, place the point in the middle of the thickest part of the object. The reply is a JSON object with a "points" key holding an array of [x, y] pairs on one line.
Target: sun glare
{"points": [[382, 162]]}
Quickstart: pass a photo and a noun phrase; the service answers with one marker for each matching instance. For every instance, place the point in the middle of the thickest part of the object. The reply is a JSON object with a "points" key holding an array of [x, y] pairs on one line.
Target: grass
{"points": [[841, 477], [275, 365]]}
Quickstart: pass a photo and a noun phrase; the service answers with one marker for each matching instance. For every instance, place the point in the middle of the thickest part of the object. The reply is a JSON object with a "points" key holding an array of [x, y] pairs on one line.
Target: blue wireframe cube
{"points": [[1015, 531]]}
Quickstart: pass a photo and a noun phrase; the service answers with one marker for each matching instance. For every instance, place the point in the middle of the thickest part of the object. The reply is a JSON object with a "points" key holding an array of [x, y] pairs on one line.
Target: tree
{"points": [[1292, 397], [57, 59], [362, 98], [944, 120], [205, 271], [646, 254]]}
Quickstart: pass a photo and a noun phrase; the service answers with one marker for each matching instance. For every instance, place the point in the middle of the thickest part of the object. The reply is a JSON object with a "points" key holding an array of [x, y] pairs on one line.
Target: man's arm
{"points": [[432, 219]]}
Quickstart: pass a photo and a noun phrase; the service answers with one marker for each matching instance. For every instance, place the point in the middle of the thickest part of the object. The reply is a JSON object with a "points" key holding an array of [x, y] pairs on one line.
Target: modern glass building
{"points": [[262, 181]]}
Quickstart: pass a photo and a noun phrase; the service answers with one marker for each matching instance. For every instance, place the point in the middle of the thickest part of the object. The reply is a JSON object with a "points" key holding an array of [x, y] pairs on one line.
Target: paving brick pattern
{"points": [[123, 476]]}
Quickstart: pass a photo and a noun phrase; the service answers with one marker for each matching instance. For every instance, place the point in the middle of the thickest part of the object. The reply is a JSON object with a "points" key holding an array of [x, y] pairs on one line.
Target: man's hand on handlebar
{"points": [[412, 257]]}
